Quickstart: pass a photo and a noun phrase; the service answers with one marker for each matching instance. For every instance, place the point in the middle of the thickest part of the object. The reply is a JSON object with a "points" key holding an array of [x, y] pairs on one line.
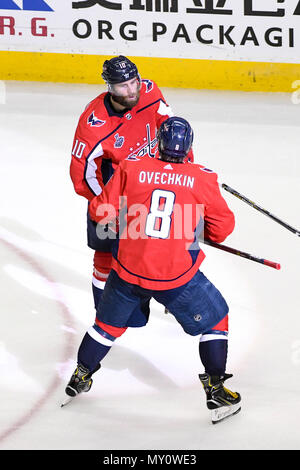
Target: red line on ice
{"points": [[67, 318]]}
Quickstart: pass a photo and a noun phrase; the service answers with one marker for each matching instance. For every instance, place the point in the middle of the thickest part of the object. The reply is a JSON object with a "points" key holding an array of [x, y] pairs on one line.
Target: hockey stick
{"points": [[260, 209], [234, 251]]}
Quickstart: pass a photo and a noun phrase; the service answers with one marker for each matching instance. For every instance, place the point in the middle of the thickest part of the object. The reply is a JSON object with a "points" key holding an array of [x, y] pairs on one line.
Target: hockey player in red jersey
{"points": [[118, 124], [162, 206]]}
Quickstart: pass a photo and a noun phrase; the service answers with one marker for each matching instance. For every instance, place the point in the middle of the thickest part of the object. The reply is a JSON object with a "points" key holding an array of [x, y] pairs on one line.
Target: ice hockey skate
{"points": [[221, 401], [80, 381]]}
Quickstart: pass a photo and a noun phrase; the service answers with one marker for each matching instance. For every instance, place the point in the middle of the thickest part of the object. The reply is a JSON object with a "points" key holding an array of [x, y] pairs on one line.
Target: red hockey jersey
{"points": [[166, 207], [104, 137]]}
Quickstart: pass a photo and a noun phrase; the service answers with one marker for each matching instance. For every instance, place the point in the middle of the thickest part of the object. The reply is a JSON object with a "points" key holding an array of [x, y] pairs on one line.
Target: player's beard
{"points": [[124, 101]]}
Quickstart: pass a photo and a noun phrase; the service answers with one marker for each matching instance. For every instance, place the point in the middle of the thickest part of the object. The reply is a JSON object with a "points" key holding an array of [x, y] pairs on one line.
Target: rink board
{"points": [[248, 45], [171, 72]]}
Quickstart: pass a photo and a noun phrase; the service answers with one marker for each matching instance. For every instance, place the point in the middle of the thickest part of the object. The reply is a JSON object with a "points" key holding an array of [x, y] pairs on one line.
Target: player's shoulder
{"points": [[150, 89], [97, 102], [95, 118], [132, 163], [204, 169], [134, 166], [204, 173]]}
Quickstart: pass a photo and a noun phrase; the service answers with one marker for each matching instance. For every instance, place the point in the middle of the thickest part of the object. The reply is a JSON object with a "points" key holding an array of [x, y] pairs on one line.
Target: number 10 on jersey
{"points": [[78, 148]]}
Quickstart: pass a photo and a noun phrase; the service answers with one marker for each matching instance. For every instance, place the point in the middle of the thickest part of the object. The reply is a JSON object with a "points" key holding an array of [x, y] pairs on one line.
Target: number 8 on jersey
{"points": [[158, 222]]}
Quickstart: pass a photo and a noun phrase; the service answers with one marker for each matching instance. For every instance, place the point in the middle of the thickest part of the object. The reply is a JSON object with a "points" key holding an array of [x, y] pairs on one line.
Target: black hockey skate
{"points": [[221, 401], [80, 381]]}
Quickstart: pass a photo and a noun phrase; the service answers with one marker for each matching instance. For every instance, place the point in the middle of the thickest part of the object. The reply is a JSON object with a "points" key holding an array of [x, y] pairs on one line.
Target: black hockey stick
{"points": [[234, 251], [260, 209]]}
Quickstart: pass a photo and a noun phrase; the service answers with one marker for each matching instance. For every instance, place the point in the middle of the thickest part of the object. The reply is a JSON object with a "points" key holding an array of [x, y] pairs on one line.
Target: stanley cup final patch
{"points": [[119, 141]]}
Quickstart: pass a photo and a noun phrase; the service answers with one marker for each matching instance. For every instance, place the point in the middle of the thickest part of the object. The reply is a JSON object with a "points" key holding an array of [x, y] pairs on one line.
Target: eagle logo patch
{"points": [[93, 121]]}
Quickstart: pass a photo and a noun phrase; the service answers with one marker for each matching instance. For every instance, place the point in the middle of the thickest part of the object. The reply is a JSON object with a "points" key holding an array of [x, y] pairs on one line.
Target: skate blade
{"points": [[219, 414], [66, 401]]}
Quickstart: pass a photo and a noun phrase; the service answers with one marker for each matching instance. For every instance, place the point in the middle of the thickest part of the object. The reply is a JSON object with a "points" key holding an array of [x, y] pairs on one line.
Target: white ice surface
{"points": [[147, 394]]}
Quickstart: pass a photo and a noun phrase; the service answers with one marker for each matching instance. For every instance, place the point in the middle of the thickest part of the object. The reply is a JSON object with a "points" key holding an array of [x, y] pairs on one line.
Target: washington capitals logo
{"points": [[93, 121], [147, 149]]}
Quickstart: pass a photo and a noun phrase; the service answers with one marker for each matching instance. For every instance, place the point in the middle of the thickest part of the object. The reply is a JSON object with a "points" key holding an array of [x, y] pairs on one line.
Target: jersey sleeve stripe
{"points": [[148, 105], [90, 166], [164, 109], [90, 176]]}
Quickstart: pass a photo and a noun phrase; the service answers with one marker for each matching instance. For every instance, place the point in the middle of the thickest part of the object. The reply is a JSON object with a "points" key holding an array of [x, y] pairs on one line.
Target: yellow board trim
{"points": [[182, 73]]}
